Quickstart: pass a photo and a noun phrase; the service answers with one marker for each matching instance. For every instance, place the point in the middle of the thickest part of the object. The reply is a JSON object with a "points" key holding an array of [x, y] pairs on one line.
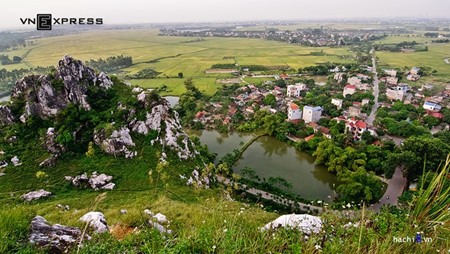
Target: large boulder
{"points": [[305, 223], [56, 237], [34, 195], [96, 221]]}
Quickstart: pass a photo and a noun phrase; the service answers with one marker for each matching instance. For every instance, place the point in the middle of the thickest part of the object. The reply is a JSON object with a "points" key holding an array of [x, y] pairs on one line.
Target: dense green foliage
{"points": [[111, 63]]}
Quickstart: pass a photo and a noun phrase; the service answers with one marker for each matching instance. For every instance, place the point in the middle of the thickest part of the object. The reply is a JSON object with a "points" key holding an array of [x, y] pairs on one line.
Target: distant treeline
{"points": [[398, 47], [112, 63], [144, 74], [441, 41], [4, 59], [324, 68], [223, 66]]}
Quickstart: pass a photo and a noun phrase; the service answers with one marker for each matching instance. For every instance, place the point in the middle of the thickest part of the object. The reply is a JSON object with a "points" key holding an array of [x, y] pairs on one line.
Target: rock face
{"points": [[46, 95], [163, 120], [118, 143], [56, 237], [71, 83], [34, 195], [6, 116], [305, 223], [96, 221]]}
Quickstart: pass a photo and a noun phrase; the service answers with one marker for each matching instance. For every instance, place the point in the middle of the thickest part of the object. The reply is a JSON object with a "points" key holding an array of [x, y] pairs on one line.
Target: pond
{"points": [[269, 157], [6, 98]]}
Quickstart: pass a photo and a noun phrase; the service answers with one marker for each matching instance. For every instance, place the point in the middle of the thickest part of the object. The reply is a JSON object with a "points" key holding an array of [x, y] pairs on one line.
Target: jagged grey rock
{"points": [[96, 221], [56, 237], [305, 223], [161, 218], [95, 181], [45, 95], [6, 116], [34, 195], [119, 142]]}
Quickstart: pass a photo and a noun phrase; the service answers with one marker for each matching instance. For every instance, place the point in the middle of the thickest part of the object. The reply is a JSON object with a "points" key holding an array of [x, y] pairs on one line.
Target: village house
{"points": [[412, 77], [365, 102], [294, 112], [392, 81], [362, 77], [312, 114], [295, 90], [356, 128], [337, 102], [349, 89], [339, 76], [354, 111], [414, 71], [354, 81], [431, 106], [391, 72], [397, 92]]}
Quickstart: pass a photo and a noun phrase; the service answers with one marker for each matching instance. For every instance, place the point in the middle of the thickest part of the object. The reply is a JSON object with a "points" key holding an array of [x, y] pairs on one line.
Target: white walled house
{"points": [[349, 89], [312, 114], [295, 90], [337, 102], [294, 112]]}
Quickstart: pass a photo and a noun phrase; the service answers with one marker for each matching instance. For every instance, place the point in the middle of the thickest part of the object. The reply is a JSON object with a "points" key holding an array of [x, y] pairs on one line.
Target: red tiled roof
{"points": [[293, 106], [350, 86], [199, 114], [325, 130], [361, 124], [309, 137]]}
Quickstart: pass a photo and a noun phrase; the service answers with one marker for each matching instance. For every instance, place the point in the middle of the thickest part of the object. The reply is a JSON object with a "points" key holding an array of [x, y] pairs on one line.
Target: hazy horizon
{"points": [[178, 11]]}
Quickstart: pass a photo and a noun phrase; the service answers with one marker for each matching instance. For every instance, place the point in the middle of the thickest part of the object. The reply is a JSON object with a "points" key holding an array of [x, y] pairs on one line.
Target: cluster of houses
{"points": [[415, 96]]}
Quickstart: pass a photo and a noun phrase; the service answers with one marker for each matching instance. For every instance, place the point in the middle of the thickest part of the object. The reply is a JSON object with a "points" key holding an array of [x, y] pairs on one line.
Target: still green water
{"points": [[270, 157]]}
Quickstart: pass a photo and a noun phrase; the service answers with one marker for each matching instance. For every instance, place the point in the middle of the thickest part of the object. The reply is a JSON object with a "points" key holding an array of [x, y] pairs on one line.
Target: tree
{"points": [[91, 151], [180, 74], [270, 100], [367, 137], [359, 185]]}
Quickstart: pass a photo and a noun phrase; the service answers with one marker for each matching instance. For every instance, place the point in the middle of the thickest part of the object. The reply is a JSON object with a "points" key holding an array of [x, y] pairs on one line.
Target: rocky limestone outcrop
{"points": [[162, 119], [6, 116], [57, 238], [95, 181], [51, 145], [34, 195], [200, 181], [305, 223], [46, 95], [118, 143], [96, 221]]}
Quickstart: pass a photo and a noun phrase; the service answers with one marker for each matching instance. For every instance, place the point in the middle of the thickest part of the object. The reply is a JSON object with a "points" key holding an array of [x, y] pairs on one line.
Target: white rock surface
{"points": [[161, 218], [15, 161], [306, 223], [159, 227], [96, 221], [34, 195]]}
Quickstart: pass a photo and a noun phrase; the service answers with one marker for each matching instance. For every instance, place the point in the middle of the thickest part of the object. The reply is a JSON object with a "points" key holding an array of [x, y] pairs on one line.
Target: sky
{"points": [[161, 11]]}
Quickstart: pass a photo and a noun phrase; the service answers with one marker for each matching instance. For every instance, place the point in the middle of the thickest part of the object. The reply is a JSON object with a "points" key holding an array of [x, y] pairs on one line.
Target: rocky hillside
{"points": [[73, 106]]}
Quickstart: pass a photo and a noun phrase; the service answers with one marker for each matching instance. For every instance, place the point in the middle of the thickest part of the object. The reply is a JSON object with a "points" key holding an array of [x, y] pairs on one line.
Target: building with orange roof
{"points": [[294, 112]]}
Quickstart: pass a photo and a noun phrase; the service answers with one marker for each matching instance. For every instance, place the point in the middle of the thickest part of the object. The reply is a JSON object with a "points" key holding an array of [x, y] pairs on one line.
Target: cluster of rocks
{"points": [[59, 238], [305, 223], [119, 142], [95, 181], [158, 221], [198, 180], [35, 195]]}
